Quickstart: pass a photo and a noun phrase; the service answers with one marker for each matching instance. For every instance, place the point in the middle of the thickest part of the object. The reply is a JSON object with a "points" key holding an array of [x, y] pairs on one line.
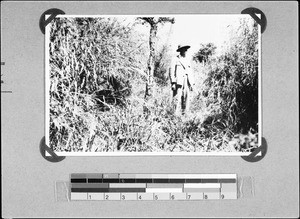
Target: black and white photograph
{"points": [[153, 85]]}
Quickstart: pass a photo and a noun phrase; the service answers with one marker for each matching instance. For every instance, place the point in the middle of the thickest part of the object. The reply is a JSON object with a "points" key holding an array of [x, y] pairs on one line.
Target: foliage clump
{"points": [[205, 52]]}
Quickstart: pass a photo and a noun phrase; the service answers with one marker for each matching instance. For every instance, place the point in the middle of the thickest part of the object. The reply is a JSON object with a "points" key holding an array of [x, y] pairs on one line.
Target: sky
{"points": [[191, 29], [196, 29]]}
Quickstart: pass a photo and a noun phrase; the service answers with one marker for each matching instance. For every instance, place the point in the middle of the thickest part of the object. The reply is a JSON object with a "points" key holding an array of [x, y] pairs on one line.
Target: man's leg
{"points": [[184, 100], [185, 90], [173, 99], [178, 111], [187, 100]]}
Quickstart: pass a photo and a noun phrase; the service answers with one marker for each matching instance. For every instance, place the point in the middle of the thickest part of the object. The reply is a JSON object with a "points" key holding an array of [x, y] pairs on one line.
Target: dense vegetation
{"points": [[98, 71]]}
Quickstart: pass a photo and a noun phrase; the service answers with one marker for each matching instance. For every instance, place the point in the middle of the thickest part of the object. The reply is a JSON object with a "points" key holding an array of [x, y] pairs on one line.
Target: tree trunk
{"points": [[150, 73]]}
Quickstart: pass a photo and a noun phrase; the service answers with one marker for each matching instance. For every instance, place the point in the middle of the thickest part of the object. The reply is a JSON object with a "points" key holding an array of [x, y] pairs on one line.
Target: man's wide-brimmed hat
{"points": [[180, 47]]}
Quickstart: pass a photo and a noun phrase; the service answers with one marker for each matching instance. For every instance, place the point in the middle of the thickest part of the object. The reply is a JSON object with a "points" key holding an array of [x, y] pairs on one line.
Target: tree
{"points": [[153, 22], [205, 51], [162, 63]]}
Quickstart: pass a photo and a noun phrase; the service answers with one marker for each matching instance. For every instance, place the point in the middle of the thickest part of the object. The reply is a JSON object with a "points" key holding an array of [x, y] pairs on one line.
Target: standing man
{"points": [[182, 80]]}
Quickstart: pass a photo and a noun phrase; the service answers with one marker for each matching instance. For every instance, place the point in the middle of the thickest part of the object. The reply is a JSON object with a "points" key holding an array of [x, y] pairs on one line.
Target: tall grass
{"points": [[231, 85]]}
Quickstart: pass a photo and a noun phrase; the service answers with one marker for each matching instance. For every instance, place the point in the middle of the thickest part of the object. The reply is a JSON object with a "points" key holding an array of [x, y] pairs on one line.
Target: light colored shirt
{"points": [[180, 69]]}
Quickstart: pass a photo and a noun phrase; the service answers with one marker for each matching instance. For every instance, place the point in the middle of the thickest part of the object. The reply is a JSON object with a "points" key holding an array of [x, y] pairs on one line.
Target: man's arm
{"points": [[192, 77], [173, 71]]}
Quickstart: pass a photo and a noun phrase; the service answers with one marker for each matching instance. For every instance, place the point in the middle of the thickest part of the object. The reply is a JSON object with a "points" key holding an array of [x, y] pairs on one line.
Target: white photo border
{"points": [[47, 96]]}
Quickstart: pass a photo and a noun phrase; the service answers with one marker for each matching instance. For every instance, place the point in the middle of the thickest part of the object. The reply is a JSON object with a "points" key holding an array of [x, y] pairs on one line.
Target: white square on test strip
{"points": [[212, 195], [228, 191], [112, 196], [77, 196], [161, 196], [145, 196], [95, 196], [129, 196], [194, 196], [178, 196]]}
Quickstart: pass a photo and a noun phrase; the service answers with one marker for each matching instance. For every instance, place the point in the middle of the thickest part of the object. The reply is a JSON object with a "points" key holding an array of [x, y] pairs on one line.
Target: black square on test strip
{"points": [[160, 180], [94, 180], [82, 180], [193, 180], [210, 180], [176, 180], [127, 180], [111, 180], [148, 180], [227, 180]]}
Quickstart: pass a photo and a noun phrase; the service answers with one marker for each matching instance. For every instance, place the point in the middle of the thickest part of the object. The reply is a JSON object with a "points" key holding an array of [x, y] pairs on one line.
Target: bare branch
{"points": [[149, 20], [163, 20], [152, 21]]}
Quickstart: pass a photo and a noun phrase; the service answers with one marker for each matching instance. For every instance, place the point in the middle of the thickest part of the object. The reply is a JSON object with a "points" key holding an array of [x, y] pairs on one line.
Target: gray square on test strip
{"points": [[143, 176], [89, 185], [127, 176], [110, 176], [94, 175], [78, 175]]}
